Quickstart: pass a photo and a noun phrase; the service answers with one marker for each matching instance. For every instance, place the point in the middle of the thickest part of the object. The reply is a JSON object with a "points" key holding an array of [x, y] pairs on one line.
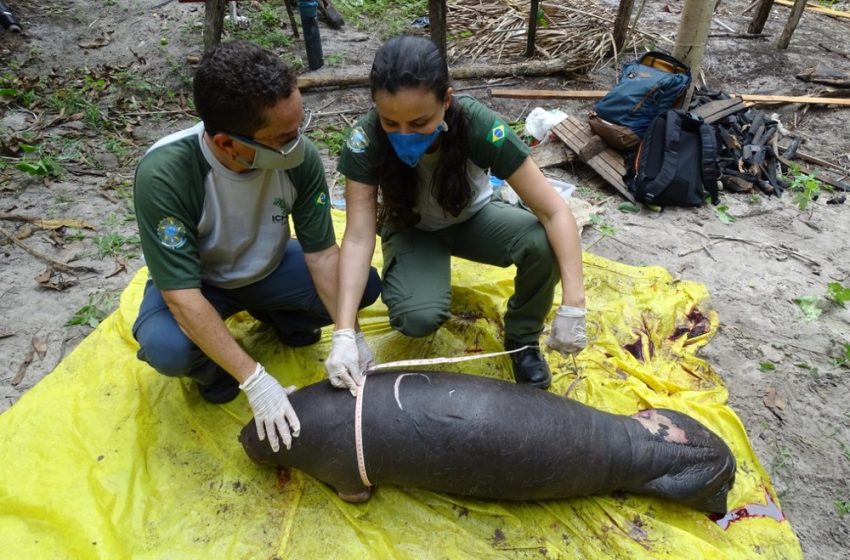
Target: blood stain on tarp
{"points": [[283, 477], [748, 511], [636, 347], [697, 325]]}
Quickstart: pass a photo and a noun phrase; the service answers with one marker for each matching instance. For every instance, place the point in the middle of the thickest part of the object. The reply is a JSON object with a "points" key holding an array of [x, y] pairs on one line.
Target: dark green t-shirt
{"points": [[200, 222], [493, 145]]}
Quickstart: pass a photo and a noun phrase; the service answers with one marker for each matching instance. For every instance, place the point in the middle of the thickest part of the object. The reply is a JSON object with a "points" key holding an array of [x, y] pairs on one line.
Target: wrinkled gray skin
{"points": [[474, 436]]}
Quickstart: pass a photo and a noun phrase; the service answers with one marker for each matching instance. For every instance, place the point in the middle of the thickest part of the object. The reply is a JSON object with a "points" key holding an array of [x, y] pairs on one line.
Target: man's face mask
{"points": [[411, 146], [288, 156]]}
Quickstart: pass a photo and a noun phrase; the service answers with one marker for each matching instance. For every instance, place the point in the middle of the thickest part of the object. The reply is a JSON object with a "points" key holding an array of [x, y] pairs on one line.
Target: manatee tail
{"points": [[699, 466]]}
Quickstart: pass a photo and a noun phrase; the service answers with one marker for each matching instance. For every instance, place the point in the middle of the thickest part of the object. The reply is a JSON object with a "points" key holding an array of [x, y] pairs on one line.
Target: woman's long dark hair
{"points": [[410, 62]]}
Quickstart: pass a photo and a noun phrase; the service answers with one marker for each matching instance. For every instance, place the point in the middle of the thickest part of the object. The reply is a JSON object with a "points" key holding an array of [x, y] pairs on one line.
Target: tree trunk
{"points": [[692, 37], [758, 21], [791, 24], [621, 23], [437, 23], [532, 28], [213, 23]]}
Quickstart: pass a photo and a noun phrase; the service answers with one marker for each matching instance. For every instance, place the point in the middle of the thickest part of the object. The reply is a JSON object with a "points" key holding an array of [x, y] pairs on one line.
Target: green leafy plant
{"points": [[332, 137], [843, 507], [93, 312], [843, 358], [266, 27], [810, 306], [767, 366], [722, 213], [38, 163], [838, 293], [600, 223], [384, 18], [334, 59], [805, 188]]}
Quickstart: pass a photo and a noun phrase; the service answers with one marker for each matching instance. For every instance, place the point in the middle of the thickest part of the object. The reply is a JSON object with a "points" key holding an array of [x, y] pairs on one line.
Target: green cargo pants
{"points": [[416, 281]]}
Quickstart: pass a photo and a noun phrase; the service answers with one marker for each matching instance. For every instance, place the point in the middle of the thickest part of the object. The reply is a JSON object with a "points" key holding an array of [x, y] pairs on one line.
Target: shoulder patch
{"points": [[322, 199], [171, 233], [498, 133], [357, 140]]}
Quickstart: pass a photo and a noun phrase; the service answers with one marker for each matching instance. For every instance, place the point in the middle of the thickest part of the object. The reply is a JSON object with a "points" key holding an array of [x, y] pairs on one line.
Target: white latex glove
{"points": [[343, 363], [272, 412], [568, 330], [365, 358]]}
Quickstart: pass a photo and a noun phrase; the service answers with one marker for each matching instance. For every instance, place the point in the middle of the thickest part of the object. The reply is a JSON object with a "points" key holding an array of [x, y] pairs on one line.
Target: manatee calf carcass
{"points": [[486, 438]]}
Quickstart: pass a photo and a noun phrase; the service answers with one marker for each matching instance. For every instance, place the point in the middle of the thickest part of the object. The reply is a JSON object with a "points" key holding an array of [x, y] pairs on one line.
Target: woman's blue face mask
{"points": [[409, 147]]}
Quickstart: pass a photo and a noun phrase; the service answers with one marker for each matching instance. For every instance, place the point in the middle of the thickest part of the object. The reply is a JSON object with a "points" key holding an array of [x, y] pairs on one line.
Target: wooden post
{"points": [[532, 28], [791, 24], [437, 22], [621, 23], [758, 21], [213, 23]]}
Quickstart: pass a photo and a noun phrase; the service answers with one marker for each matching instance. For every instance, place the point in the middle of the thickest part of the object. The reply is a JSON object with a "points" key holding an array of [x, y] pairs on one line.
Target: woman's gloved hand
{"points": [[343, 363], [568, 330]]}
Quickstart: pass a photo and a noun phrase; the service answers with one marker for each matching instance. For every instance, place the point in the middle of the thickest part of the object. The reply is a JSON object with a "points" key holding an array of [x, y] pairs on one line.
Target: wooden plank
{"points": [[596, 94], [551, 154], [811, 7], [713, 111], [608, 164], [794, 99]]}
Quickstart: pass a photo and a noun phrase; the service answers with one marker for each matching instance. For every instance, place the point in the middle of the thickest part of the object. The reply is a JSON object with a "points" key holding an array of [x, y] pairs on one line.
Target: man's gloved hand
{"points": [[366, 360], [343, 363], [568, 330], [272, 412]]}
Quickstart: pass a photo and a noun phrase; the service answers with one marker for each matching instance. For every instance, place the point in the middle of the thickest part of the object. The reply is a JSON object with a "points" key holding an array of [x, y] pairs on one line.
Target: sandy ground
{"points": [[772, 254]]}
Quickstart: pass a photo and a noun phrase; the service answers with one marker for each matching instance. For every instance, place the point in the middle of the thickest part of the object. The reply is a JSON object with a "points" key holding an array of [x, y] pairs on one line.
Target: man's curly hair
{"points": [[236, 82]]}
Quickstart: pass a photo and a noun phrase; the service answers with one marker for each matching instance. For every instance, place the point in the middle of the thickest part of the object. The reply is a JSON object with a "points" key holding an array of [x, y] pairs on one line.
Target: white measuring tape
{"points": [[358, 405], [435, 361]]}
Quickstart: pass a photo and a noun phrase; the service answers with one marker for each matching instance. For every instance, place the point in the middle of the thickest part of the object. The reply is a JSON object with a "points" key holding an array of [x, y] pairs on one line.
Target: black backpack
{"points": [[676, 162]]}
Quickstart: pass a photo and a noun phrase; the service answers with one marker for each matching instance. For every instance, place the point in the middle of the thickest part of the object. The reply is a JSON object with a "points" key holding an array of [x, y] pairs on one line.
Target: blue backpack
{"points": [[647, 87]]}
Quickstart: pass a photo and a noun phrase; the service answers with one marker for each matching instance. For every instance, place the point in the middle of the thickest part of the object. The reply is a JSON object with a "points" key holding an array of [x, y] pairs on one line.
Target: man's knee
{"points": [[419, 322], [168, 353]]}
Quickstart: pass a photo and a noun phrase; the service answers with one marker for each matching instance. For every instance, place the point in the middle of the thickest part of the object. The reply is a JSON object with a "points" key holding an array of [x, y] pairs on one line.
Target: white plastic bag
{"points": [[540, 121]]}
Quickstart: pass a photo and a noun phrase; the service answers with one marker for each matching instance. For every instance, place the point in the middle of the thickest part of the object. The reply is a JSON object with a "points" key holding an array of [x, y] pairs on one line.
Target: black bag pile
{"points": [[748, 148]]}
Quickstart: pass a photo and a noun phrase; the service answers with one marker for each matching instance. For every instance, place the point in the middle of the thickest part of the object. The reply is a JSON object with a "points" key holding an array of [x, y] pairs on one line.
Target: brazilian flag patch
{"points": [[322, 199], [498, 133]]}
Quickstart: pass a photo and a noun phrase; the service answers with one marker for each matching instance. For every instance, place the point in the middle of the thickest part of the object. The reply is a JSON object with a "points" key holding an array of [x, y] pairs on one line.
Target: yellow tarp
{"points": [[105, 458]]}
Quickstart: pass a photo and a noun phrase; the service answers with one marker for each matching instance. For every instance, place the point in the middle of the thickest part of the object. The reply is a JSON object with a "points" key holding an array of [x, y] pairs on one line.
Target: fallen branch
{"points": [[46, 224], [781, 248], [360, 76], [54, 263]]}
